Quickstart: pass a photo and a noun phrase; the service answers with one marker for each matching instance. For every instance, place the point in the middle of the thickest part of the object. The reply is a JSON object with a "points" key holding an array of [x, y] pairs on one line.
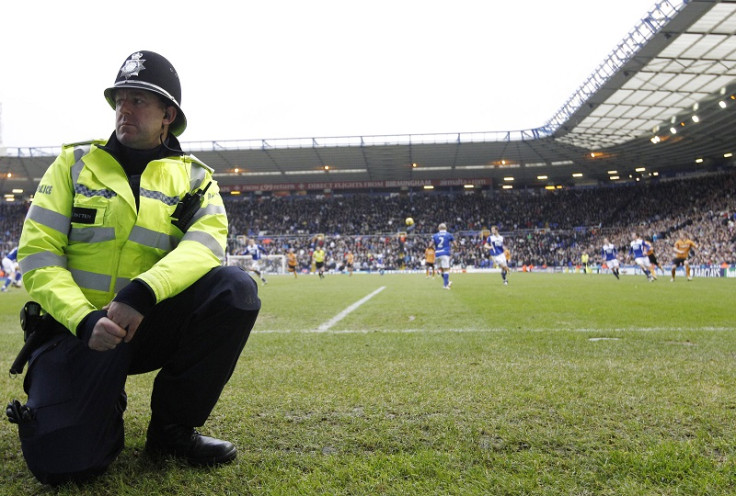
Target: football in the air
{"points": [[409, 221]]}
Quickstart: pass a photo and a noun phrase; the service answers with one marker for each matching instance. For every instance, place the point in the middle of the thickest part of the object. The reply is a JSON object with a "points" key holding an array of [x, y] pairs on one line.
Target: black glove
{"points": [[17, 413]]}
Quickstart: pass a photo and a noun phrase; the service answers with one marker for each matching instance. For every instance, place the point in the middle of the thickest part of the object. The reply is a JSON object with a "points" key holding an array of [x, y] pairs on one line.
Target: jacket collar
{"points": [[134, 161]]}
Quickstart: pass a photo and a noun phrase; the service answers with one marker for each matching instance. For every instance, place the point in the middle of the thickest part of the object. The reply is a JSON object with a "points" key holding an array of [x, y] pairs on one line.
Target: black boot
{"points": [[185, 442]]}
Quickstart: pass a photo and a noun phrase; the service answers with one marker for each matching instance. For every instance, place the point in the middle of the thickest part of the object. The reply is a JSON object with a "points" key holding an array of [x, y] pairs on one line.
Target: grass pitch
{"points": [[558, 384]]}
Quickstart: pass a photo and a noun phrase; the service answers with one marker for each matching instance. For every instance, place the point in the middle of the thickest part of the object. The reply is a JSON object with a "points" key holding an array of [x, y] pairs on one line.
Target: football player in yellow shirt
{"points": [[349, 262], [684, 248], [319, 261], [291, 262], [429, 257]]}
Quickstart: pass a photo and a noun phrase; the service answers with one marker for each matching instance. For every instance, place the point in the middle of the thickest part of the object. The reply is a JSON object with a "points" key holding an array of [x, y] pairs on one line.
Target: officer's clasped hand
{"points": [[106, 335]]}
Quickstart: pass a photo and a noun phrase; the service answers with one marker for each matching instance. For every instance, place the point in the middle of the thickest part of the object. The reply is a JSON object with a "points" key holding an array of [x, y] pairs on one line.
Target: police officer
{"points": [[123, 247]]}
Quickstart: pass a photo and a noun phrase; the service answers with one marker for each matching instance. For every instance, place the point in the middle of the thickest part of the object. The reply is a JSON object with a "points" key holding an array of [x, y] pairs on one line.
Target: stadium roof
{"points": [[662, 103]]}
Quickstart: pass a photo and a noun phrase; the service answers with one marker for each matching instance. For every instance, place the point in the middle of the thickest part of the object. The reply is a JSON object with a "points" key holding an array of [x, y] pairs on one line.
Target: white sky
{"points": [[292, 69]]}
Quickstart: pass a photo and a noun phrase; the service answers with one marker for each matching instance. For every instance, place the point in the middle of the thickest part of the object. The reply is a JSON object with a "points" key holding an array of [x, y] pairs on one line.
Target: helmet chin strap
{"points": [[161, 140]]}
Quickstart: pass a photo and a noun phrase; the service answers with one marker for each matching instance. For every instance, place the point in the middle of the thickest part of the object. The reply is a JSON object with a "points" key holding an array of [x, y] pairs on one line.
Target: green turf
{"points": [[558, 384]]}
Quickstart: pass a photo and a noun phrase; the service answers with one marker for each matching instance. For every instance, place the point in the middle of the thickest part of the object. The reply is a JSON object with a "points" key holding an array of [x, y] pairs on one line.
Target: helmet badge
{"points": [[133, 66]]}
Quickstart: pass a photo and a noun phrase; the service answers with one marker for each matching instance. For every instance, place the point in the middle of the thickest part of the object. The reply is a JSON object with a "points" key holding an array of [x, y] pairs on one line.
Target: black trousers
{"points": [[77, 395]]}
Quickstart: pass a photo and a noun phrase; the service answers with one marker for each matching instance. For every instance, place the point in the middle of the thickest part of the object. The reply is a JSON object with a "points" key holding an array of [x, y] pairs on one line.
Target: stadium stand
{"points": [[543, 228]]}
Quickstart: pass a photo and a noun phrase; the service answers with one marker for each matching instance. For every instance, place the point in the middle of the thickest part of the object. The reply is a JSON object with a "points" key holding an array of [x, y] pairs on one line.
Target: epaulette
{"points": [[198, 162], [83, 143]]}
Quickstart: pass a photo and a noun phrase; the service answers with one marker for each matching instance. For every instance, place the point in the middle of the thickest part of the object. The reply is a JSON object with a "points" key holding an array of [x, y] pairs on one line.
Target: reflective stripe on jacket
{"points": [[83, 239]]}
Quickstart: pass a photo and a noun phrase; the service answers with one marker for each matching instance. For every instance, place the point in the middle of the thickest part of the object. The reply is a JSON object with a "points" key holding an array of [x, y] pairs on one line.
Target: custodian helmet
{"points": [[150, 71]]}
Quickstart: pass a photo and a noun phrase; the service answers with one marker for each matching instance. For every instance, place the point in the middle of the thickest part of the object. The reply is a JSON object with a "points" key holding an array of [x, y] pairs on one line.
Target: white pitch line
{"points": [[337, 318], [494, 329]]}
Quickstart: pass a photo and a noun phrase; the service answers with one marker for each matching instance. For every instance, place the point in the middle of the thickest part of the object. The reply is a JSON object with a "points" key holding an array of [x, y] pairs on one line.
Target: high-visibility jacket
{"points": [[83, 239]]}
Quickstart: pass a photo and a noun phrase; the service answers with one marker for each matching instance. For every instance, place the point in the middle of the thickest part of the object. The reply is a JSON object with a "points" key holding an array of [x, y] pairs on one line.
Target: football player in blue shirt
{"points": [[494, 243], [255, 251], [610, 256], [639, 249], [10, 267], [443, 242]]}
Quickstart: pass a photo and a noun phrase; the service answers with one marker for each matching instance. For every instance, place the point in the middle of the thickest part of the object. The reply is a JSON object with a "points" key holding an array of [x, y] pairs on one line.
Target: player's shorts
{"points": [[653, 259], [613, 263], [443, 261], [8, 266], [430, 265], [500, 260], [642, 261], [319, 265], [291, 268], [679, 262]]}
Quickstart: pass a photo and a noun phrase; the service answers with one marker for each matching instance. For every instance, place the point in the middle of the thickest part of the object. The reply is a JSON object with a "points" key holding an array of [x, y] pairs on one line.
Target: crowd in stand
{"points": [[11, 224], [542, 228]]}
